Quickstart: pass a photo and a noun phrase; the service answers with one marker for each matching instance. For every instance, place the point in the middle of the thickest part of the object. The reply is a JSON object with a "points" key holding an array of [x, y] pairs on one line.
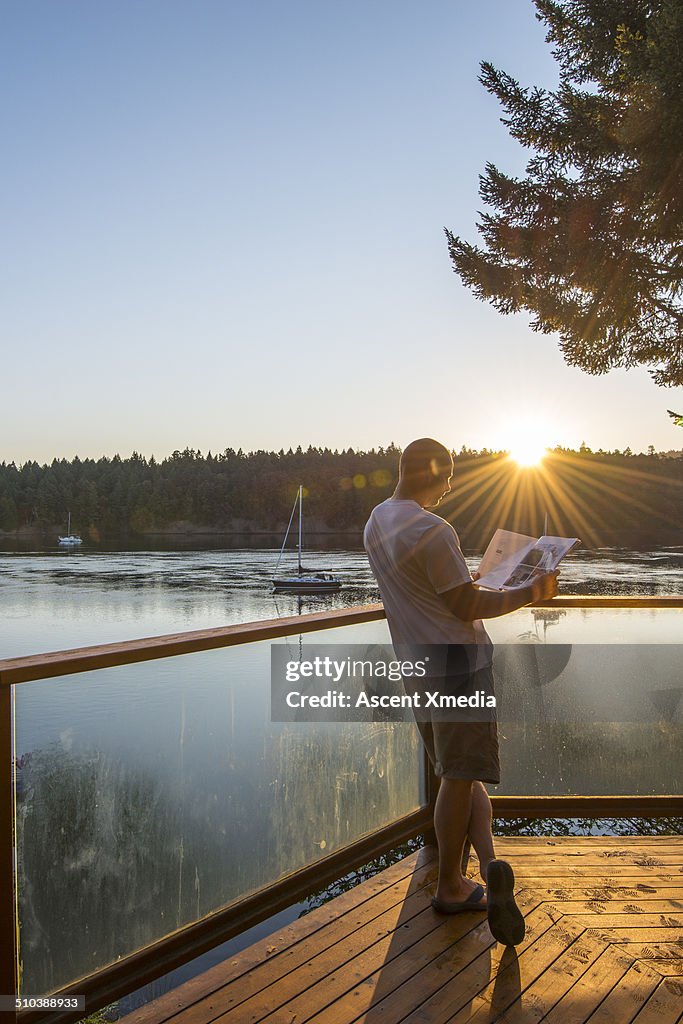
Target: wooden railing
{"points": [[85, 659], [142, 966]]}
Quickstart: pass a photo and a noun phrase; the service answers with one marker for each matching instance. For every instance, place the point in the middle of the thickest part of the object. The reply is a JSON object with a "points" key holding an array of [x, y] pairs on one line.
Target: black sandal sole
{"points": [[504, 916]]}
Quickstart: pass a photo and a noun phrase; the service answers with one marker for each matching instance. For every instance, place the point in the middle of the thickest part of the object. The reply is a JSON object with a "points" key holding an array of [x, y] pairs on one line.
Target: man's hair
{"points": [[424, 459]]}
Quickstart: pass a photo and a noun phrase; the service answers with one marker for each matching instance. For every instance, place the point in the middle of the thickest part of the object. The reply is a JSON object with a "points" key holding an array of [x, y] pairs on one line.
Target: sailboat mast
{"points": [[300, 500], [68, 524]]}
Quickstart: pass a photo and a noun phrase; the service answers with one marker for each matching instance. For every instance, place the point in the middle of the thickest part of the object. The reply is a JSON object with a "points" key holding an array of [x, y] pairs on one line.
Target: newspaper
{"points": [[513, 559]]}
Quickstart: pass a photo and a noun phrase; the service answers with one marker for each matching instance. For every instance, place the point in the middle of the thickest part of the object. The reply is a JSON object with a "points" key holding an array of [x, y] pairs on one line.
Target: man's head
{"points": [[425, 471]]}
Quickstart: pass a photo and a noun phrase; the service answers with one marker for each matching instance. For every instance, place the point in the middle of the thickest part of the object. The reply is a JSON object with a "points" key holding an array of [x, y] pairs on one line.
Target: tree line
{"points": [[603, 497]]}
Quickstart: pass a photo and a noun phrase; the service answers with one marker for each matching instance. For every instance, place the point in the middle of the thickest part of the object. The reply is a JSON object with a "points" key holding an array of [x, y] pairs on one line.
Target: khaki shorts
{"points": [[462, 749]]}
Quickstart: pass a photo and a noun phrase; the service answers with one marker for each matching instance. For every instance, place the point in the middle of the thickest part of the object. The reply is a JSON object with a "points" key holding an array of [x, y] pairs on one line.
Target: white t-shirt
{"points": [[416, 556]]}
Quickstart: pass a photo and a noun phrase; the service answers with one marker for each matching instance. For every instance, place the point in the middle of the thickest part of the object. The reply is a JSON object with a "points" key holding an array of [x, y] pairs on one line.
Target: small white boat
{"points": [[71, 539], [304, 581], [308, 582]]}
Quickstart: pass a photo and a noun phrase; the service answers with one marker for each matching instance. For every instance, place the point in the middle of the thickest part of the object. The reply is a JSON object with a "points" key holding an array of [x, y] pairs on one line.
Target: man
{"points": [[429, 598]]}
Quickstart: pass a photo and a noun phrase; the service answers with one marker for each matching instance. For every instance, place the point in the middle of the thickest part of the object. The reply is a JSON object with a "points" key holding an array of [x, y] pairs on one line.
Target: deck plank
{"points": [[670, 968], [327, 975], [656, 950], [601, 977], [248, 998], [518, 974], [628, 997], [604, 944], [403, 985], [645, 905], [664, 1005], [630, 920], [554, 983]]}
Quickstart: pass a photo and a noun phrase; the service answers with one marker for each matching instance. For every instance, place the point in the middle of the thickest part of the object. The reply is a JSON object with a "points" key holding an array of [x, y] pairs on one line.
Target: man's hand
{"points": [[545, 587], [468, 602]]}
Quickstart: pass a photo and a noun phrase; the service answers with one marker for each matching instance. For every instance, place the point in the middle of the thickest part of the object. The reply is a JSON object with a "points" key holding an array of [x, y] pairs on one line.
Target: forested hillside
{"points": [[604, 498]]}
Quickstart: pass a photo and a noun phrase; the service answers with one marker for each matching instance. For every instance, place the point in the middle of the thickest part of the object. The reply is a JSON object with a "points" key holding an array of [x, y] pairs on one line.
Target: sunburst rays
{"points": [[578, 494]]}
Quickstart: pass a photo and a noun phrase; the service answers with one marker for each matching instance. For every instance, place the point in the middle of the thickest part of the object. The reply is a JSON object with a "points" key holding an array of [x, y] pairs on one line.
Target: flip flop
{"points": [[505, 918], [444, 907]]}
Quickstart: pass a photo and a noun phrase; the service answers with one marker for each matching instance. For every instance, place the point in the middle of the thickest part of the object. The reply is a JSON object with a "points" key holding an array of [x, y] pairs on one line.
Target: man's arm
{"points": [[467, 602]]}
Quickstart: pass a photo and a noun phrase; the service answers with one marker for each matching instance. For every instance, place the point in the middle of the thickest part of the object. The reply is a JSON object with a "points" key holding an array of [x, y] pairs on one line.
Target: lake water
{"points": [[56, 599], [151, 794]]}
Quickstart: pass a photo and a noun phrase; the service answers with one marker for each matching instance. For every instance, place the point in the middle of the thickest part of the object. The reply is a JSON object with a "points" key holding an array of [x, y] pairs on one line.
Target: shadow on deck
{"points": [[604, 942]]}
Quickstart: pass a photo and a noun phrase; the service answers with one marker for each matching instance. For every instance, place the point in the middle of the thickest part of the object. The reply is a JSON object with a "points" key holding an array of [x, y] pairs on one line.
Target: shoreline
{"points": [[633, 540], [53, 532]]}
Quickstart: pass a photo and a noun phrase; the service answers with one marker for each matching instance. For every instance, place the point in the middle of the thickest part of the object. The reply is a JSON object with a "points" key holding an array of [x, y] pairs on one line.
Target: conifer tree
{"points": [[590, 240]]}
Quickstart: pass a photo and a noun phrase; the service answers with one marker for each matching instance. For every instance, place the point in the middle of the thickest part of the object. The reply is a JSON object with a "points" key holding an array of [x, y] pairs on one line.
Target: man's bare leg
{"points": [[479, 829], [452, 813]]}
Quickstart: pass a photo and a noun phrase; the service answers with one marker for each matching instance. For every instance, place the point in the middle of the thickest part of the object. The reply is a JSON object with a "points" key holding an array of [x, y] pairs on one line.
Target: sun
{"points": [[528, 453], [524, 444]]}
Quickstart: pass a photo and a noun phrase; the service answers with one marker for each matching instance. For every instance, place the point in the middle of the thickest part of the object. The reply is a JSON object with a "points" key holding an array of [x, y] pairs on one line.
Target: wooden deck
{"points": [[604, 943]]}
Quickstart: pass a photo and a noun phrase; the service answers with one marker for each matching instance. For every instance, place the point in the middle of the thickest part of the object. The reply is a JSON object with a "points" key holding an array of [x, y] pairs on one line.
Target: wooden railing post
{"points": [[431, 789], [8, 924]]}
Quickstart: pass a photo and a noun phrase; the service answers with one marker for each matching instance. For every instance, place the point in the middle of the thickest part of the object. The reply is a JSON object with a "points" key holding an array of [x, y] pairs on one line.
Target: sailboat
{"points": [[71, 539], [305, 581]]}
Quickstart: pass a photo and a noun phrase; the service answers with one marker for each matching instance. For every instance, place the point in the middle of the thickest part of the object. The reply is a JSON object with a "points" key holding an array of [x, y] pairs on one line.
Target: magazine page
{"points": [[545, 556], [502, 556], [509, 563]]}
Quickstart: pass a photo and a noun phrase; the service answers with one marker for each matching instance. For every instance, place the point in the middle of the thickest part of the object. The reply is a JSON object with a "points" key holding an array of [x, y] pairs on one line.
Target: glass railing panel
{"points": [[151, 795], [590, 701]]}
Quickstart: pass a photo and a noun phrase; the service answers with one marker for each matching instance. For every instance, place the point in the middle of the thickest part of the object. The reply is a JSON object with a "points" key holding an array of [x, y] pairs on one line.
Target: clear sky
{"points": [[223, 227]]}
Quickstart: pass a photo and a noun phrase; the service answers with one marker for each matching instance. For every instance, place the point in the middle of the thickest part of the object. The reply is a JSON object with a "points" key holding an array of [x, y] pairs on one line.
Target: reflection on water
{"points": [[51, 601], [61, 598]]}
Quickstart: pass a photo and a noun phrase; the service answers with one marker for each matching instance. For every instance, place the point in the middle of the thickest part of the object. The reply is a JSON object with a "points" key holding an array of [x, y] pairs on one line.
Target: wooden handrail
{"points": [[84, 659], [648, 805], [626, 601], [128, 652]]}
